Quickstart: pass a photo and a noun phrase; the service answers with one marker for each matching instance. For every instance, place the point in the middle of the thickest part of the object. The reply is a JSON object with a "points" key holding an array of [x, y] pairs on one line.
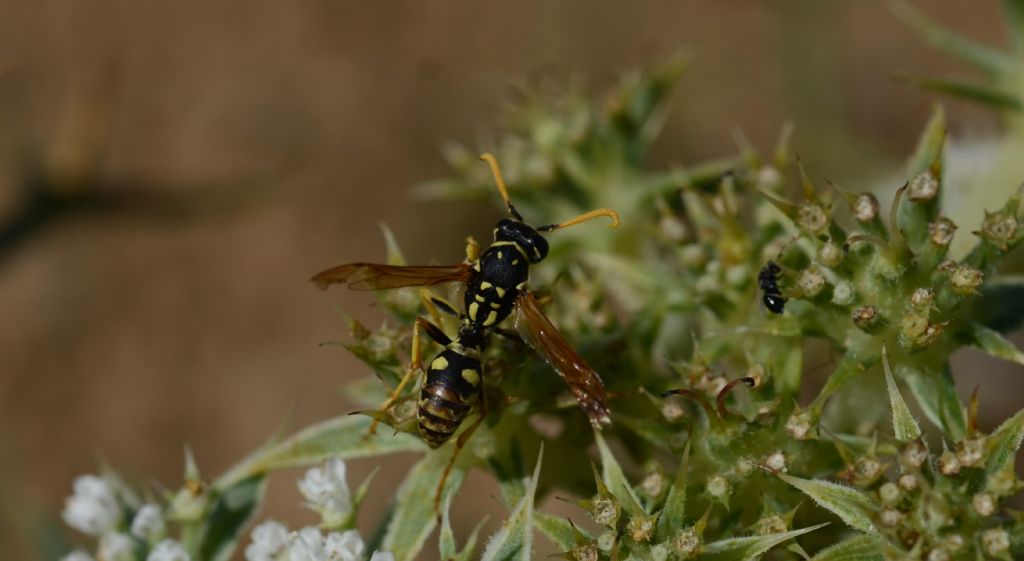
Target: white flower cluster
{"points": [[94, 509], [271, 541], [326, 491]]}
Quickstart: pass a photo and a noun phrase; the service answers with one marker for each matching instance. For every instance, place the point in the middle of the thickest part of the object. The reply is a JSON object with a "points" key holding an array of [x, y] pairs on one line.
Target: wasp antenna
{"points": [[695, 397], [720, 402], [500, 181], [583, 218]]}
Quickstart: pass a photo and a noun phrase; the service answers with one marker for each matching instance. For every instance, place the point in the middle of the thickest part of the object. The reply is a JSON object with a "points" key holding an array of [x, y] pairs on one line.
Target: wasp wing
{"points": [[538, 331], [375, 276]]}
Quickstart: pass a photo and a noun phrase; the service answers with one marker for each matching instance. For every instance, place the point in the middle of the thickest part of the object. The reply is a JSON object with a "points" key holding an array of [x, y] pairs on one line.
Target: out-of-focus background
{"points": [[171, 173]]}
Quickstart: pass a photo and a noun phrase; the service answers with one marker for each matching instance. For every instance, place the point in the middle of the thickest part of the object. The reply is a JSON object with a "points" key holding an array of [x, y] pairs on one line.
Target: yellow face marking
{"points": [[440, 363], [485, 285], [472, 310], [500, 291], [491, 318], [471, 376]]}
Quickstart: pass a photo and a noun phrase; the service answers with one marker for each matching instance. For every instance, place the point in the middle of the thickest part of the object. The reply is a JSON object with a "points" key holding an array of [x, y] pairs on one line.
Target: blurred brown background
{"points": [[224, 151]]}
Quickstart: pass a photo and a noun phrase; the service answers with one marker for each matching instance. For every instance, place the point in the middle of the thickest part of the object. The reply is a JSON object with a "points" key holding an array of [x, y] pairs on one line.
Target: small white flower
{"points": [[77, 555], [327, 491], [148, 523], [168, 550], [116, 547], [306, 545], [347, 546], [269, 539], [93, 508], [382, 556]]}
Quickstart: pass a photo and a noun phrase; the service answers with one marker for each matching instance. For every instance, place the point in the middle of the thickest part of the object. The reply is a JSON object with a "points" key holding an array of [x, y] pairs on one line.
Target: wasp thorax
{"points": [[524, 236]]}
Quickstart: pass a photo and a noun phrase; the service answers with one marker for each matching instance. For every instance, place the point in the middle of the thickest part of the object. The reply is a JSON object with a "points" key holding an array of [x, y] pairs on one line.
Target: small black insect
{"points": [[768, 280]]}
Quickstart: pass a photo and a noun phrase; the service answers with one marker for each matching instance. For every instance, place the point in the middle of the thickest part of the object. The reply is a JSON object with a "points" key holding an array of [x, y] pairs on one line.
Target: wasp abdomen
{"points": [[449, 391]]}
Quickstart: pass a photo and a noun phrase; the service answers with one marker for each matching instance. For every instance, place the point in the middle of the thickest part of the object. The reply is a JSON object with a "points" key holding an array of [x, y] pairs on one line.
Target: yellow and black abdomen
{"points": [[449, 391]]}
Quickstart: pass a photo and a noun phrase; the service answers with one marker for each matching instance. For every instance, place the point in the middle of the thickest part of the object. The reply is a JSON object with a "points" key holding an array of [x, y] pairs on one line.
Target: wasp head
{"points": [[524, 236]]}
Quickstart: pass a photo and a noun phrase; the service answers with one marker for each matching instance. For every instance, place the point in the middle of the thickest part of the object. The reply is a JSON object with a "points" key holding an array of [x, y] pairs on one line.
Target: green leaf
{"points": [[559, 530], [1013, 11], [929, 145], [980, 93], [751, 547], [414, 517], [673, 515], [860, 548], [1001, 304], [935, 392], [904, 425], [992, 342], [982, 57], [849, 368], [514, 540], [1003, 444], [344, 437], [446, 541], [849, 504], [228, 516], [615, 480]]}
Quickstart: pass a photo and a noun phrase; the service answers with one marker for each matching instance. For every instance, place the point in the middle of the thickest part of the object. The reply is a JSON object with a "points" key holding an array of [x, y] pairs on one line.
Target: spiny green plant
{"points": [[712, 454]]}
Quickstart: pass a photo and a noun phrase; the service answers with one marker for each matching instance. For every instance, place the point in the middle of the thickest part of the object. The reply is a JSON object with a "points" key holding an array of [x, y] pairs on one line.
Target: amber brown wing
{"points": [[538, 331], [375, 276]]}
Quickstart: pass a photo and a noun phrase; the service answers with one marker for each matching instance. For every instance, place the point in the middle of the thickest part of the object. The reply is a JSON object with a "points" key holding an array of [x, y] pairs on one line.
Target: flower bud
{"points": [[810, 282], [641, 528], [922, 298], [865, 208], [889, 493], [983, 504], [799, 425], [843, 294], [719, 488], [924, 187], [891, 517], [865, 317], [938, 554], [907, 482], [771, 525], [970, 451], [913, 326], [831, 255], [941, 231], [812, 218], [584, 552], [672, 411], [999, 229], [965, 279], [914, 454], [653, 484], [672, 228], [948, 464], [604, 511], [995, 542], [686, 543], [776, 461], [693, 256]]}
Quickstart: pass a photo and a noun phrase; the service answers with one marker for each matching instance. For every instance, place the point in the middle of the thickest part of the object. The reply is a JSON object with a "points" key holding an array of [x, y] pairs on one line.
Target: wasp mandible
{"points": [[495, 284]]}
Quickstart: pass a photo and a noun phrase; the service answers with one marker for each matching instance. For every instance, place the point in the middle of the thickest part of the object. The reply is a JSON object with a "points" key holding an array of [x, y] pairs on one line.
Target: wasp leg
{"points": [[427, 299], [509, 334], [472, 250], [460, 442], [415, 363]]}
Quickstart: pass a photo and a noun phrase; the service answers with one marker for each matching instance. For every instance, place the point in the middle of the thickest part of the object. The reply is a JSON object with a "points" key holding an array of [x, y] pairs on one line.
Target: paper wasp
{"points": [[495, 285]]}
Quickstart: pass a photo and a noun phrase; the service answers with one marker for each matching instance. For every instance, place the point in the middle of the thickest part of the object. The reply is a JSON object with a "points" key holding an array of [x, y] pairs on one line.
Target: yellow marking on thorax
{"points": [[495, 305], [440, 363], [472, 310], [485, 285], [478, 298], [471, 376], [500, 291], [491, 318]]}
